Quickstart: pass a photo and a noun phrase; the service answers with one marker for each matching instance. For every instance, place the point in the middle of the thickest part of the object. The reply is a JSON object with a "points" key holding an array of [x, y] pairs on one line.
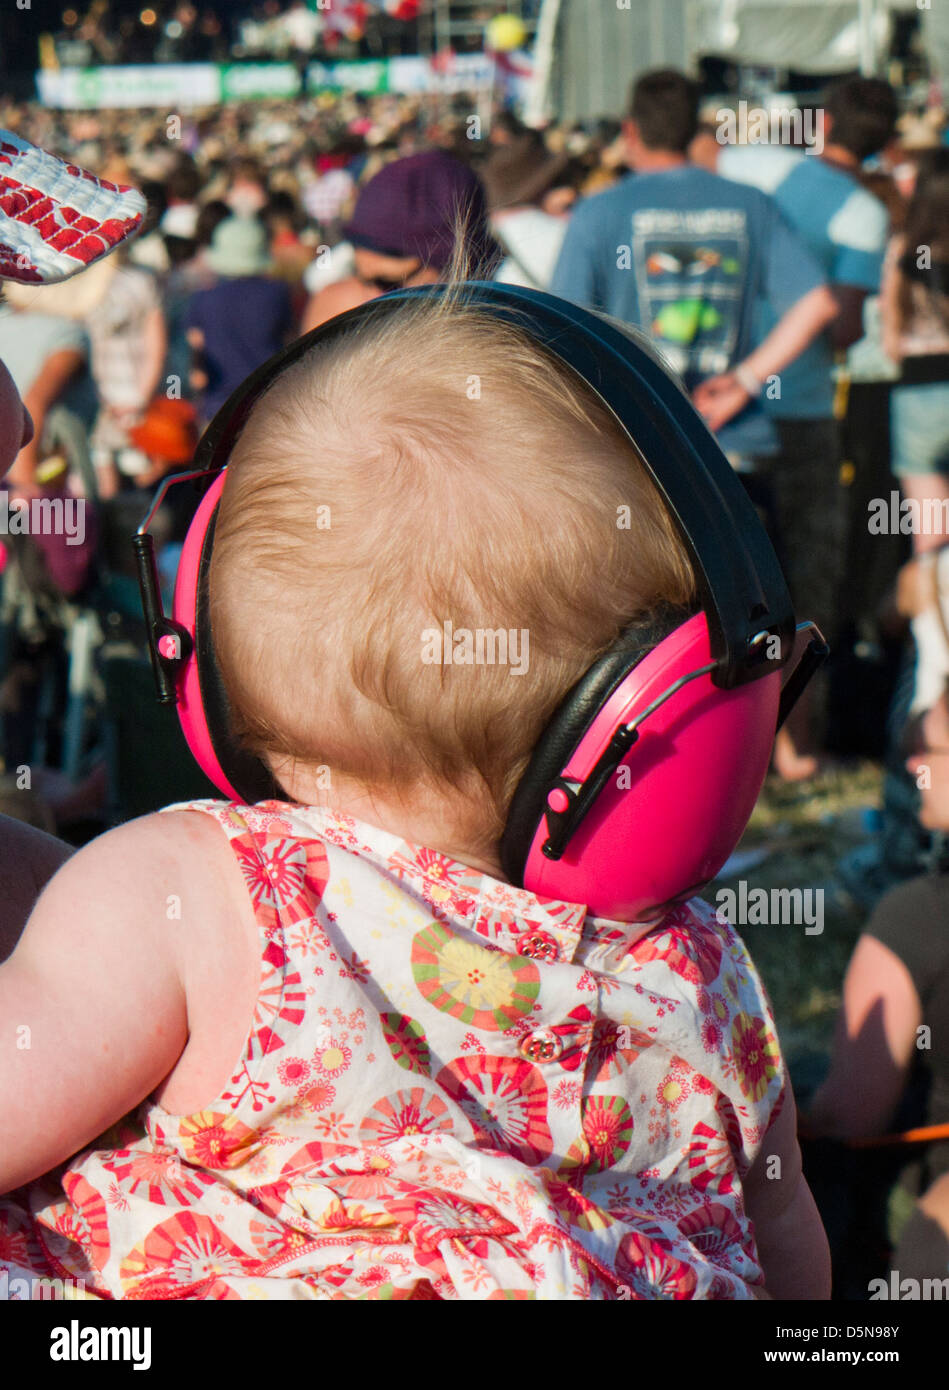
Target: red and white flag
{"points": [[55, 218]]}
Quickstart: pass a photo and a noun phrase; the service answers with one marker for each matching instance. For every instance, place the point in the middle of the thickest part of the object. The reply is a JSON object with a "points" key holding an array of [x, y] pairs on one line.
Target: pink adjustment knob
{"points": [[169, 646], [558, 800]]}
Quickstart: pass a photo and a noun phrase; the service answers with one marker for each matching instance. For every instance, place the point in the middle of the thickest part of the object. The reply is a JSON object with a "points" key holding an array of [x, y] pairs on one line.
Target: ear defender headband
{"points": [[643, 781]]}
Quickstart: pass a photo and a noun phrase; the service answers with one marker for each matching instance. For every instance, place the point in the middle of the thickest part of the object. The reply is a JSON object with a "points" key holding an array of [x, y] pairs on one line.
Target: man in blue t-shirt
{"points": [[688, 256], [843, 226], [845, 229]]}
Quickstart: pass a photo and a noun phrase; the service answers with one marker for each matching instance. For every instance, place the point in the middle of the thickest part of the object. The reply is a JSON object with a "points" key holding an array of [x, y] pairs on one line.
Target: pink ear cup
{"points": [[679, 802], [190, 708]]}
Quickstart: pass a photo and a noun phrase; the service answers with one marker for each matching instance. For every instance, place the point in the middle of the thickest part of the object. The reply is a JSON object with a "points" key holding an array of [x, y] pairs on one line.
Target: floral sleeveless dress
{"points": [[451, 1089]]}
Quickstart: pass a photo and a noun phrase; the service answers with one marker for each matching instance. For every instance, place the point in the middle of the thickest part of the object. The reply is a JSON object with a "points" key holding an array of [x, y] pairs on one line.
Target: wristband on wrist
{"points": [[747, 380]]}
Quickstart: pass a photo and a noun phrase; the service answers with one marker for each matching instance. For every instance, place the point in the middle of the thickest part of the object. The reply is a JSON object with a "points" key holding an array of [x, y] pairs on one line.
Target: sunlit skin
{"points": [[16, 426], [930, 768], [357, 289], [882, 1010]]}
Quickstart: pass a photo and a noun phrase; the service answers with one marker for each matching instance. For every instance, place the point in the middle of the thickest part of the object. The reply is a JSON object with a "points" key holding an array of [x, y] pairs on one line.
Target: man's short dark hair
{"points": [[665, 106], [863, 112]]}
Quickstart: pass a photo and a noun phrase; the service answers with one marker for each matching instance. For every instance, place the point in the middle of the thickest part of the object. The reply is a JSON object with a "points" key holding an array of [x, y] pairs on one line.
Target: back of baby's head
{"points": [[430, 530]]}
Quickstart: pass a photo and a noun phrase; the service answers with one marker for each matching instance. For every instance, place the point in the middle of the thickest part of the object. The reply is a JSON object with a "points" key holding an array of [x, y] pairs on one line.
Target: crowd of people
{"points": [[771, 279], [172, 32]]}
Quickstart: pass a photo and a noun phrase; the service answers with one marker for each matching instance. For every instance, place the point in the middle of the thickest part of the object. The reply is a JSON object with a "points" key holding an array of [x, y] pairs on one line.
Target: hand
{"points": [[718, 399], [912, 594], [124, 415]]}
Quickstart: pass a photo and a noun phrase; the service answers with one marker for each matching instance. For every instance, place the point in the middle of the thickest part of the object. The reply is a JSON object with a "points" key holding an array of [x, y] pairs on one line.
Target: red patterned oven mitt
{"points": [[55, 218]]}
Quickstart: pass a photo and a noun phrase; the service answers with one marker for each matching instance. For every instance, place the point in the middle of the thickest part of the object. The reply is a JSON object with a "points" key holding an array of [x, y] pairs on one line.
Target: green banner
{"points": [[369, 77], [254, 81]]}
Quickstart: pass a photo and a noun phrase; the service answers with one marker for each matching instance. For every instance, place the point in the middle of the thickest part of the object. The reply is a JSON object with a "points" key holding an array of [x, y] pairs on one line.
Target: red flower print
{"points": [[692, 952], [355, 969], [293, 1070], [571, 1205], [653, 1270], [575, 1035], [439, 878], [414, 1111], [505, 1099], [314, 1159], [614, 1047], [185, 1250], [164, 1179], [711, 1166], [673, 1090], [437, 1216], [318, 1095], [731, 1123], [210, 1140], [374, 1181], [475, 984], [567, 1094], [608, 1129], [281, 998], [335, 1126], [713, 1230], [721, 1289], [90, 1220], [756, 1054], [332, 1058], [285, 877]]}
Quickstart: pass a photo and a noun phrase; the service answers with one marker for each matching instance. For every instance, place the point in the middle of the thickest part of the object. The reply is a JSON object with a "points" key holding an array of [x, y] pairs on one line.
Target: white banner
{"points": [[175, 85]]}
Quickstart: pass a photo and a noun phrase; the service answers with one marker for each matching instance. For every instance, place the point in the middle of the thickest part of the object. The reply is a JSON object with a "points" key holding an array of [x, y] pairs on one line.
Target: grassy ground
{"points": [[804, 830]]}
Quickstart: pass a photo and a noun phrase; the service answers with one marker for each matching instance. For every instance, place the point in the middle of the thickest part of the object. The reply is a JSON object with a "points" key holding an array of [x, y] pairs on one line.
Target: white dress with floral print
{"points": [[451, 1089]]}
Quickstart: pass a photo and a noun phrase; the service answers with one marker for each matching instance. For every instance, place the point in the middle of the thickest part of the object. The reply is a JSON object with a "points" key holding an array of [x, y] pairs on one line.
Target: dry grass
{"points": [[806, 828]]}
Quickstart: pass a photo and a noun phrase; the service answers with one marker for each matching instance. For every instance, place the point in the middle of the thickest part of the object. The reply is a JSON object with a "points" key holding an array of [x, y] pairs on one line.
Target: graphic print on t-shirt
{"points": [[690, 277]]}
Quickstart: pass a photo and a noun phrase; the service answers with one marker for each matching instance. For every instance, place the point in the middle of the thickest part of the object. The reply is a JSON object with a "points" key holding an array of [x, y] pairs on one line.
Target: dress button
{"points": [[538, 945], [542, 1046]]}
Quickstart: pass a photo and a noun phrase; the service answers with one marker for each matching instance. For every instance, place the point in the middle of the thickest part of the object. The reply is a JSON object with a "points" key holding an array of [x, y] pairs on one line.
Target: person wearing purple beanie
{"points": [[404, 229]]}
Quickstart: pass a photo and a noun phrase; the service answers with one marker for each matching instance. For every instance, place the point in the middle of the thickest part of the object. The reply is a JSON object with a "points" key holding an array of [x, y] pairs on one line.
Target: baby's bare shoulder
{"points": [[151, 847]]}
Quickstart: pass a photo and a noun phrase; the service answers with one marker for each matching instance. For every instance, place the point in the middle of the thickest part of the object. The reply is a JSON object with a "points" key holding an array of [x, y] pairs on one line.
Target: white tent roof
{"points": [[819, 36], [594, 49]]}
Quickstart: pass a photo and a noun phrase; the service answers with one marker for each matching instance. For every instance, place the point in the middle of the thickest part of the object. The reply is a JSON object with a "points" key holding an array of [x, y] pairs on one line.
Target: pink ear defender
{"points": [[659, 751], [643, 781]]}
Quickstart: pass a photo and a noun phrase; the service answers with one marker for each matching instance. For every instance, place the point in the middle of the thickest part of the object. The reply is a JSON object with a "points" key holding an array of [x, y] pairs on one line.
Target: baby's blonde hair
{"points": [[433, 465]]}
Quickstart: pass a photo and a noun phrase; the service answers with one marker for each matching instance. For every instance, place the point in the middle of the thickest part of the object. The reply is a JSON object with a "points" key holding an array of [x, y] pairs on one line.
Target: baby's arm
{"points": [[792, 1245], [93, 1010]]}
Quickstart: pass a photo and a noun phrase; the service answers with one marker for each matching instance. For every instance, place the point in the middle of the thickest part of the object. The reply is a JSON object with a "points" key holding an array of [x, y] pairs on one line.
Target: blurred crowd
{"points": [[266, 219], [102, 32]]}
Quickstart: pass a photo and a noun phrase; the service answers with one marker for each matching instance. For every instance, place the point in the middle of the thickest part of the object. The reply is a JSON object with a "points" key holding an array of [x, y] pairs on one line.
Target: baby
{"points": [[318, 1047]]}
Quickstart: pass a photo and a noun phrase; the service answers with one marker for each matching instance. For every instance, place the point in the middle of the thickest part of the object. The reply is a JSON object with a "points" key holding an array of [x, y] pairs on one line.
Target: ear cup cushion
{"points": [[245, 772], [567, 726]]}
